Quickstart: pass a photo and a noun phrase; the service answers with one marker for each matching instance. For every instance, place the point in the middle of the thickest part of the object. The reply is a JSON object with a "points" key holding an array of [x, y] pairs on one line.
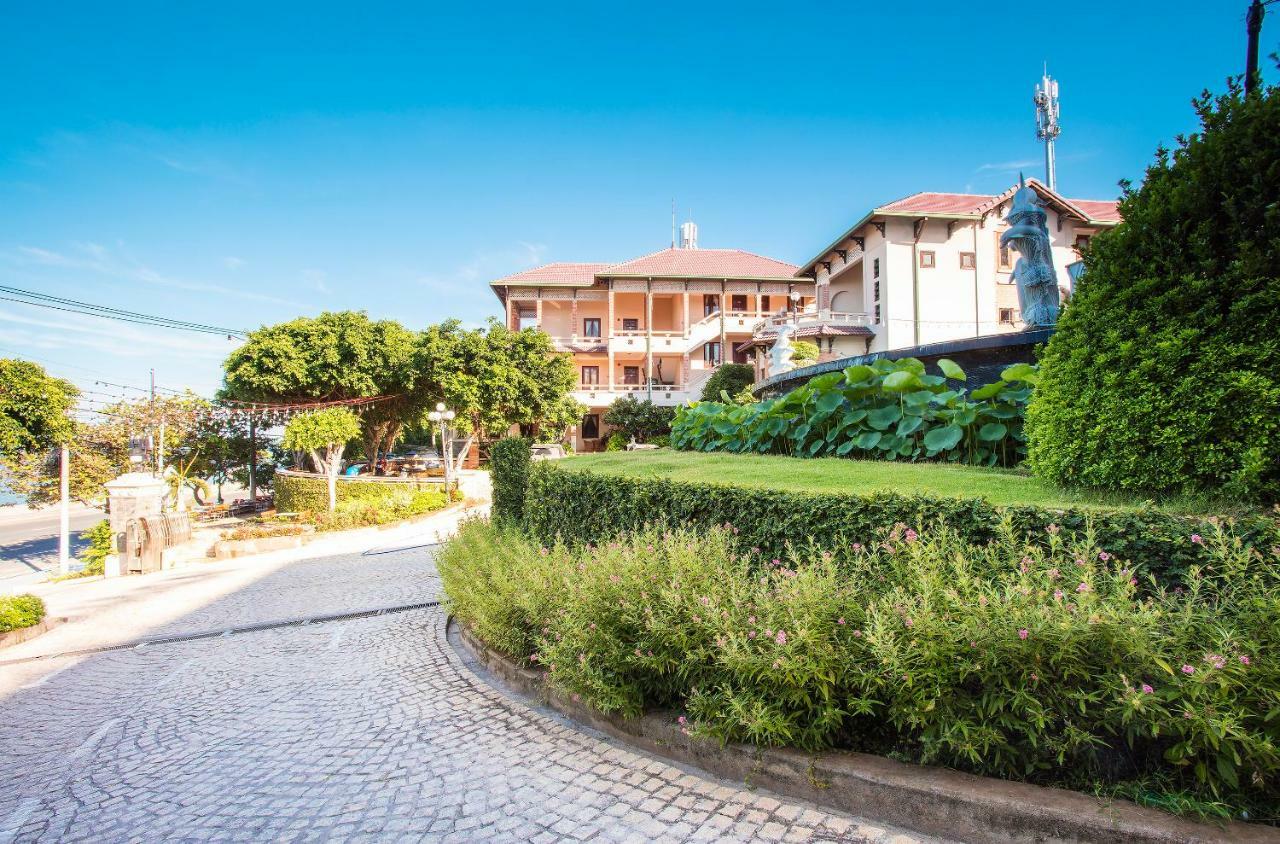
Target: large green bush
{"points": [[19, 611], [1163, 372], [586, 507], [638, 419], [509, 461], [1024, 661], [297, 493], [890, 410], [728, 379]]}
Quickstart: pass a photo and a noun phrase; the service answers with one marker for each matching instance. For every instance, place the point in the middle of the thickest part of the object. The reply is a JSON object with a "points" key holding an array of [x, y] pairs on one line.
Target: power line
{"points": [[58, 303]]}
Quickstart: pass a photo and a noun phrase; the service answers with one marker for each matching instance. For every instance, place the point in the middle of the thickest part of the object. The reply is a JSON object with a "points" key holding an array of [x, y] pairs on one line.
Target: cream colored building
{"points": [[929, 268], [654, 327]]}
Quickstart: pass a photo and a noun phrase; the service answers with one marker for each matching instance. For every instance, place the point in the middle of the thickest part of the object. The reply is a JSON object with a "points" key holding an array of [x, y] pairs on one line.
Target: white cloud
{"points": [[1008, 166], [119, 264], [112, 338], [317, 279], [231, 262]]}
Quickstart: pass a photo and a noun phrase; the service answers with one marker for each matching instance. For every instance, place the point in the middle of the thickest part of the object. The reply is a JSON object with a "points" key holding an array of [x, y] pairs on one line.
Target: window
{"points": [[738, 303], [590, 375], [1082, 243], [1004, 256], [1006, 316], [591, 327], [928, 260], [591, 426], [764, 304], [631, 324], [711, 353], [876, 288], [630, 375], [710, 304], [877, 313], [875, 268], [968, 260]]}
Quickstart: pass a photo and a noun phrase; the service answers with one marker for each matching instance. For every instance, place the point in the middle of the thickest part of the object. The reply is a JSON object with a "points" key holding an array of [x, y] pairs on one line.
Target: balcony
{"points": [[806, 319], [596, 395]]}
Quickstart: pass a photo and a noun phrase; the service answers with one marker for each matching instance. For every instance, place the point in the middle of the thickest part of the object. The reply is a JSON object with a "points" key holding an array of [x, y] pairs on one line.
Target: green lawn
{"points": [[861, 476]]}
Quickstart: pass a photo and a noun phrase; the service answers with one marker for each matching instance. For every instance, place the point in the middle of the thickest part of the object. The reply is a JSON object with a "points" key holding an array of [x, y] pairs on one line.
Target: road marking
{"points": [[92, 741], [17, 818], [175, 674], [46, 678], [336, 637], [226, 634]]}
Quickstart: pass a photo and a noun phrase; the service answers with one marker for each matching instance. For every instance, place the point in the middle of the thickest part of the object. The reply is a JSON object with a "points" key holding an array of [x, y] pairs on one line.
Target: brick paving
{"points": [[366, 729]]}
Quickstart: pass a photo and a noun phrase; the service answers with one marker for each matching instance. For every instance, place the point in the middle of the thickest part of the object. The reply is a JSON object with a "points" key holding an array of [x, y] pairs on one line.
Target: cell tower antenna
{"points": [[1047, 125]]}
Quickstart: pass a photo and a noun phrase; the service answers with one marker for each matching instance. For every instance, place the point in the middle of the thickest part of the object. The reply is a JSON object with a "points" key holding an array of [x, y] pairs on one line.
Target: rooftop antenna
{"points": [[1047, 127]]}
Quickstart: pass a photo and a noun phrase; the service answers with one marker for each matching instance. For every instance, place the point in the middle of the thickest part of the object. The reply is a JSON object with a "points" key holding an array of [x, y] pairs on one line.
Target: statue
{"points": [[780, 354], [1034, 274]]}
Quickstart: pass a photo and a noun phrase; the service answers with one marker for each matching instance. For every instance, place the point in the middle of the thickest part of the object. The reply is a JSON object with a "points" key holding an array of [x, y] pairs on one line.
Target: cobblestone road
{"points": [[361, 729]]}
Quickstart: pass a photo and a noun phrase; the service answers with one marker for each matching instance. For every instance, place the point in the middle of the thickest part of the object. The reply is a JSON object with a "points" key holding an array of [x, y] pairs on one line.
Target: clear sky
{"points": [[244, 163]]}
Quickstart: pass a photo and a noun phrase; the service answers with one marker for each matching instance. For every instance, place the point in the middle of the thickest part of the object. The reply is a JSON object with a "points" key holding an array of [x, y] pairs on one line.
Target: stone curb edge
{"points": [[230, 549], [934, 801], [25, 634]]}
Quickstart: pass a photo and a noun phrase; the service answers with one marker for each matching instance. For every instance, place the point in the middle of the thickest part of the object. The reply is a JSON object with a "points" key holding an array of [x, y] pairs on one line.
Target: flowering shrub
{"points": [[1042, 663]]}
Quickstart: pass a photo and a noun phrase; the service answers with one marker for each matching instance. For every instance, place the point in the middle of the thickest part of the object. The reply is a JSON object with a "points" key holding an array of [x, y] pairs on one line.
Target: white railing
{"points": [[805, 318]]}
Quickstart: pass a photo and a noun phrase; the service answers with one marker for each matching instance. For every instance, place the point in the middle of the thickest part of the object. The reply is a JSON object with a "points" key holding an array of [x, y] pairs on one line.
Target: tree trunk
{"points": [[334, 459]]}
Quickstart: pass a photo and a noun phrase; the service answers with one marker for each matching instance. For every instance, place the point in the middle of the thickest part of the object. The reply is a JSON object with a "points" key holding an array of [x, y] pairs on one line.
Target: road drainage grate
{"points": [[138, 644]]}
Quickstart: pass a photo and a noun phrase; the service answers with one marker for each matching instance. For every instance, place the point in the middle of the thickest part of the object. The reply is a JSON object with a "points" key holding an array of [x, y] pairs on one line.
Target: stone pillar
{"points": [[129, 496], [684, 319], [537, 309], [573, 315]]}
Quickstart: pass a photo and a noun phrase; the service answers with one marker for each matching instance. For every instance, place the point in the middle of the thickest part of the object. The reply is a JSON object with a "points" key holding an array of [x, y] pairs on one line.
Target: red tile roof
{"points": [[703, 263], [935, 203], [561, 274], [1099, 209]]}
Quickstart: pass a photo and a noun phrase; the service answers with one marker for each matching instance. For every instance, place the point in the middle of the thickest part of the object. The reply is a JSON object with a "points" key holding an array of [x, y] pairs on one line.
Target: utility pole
{"points": [[1253, 25], [253, 456], [64, 511], [151, 431], [1047, 127]]}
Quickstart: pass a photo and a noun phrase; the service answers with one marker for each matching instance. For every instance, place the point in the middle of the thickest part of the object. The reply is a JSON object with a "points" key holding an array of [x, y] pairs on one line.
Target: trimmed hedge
{"points": [[299, 493], [19, 611], [509, 461], [580, 506]]}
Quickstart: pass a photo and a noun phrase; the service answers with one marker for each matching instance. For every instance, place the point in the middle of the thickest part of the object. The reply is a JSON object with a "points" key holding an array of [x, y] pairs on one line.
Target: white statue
{"points": [[780, 354]]}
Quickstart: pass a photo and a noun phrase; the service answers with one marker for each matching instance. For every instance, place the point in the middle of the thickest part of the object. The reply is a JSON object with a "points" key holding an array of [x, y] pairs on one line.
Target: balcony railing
{"points": [[808, 318], [629, 388]]}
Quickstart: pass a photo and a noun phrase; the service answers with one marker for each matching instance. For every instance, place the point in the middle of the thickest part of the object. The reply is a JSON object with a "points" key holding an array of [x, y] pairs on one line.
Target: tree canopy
{"points": [[1162, 374], [35, 408], [324, 435]]}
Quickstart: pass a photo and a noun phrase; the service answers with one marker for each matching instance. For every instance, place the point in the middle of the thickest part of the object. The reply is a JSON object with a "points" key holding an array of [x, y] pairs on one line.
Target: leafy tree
{"points": [[35, 408], [1162, 374], [639, 419], [324, 435], [335, 356], [730, 378], [35, 475], [496, 378], [804, 351]]}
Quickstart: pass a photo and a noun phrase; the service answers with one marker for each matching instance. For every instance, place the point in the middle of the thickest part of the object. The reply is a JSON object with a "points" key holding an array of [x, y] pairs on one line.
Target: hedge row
{"points": [[300, 493], [579, 506], [509, 461], [19, 611]]}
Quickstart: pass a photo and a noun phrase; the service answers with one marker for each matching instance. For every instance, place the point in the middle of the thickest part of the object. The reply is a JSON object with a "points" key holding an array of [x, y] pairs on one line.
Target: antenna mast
{"points": [[1047, 126]]}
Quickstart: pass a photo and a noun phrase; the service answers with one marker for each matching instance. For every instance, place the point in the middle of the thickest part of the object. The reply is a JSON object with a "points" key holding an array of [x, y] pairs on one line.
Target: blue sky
{"points": [[263, 161]]}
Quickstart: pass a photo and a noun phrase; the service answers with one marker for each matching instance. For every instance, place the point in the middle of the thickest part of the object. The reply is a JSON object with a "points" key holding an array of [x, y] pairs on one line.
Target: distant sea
{"points": [[7, 497]]}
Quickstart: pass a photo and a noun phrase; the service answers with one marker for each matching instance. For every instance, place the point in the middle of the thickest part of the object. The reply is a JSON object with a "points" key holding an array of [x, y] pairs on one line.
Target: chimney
{"points": [[689, 235]]}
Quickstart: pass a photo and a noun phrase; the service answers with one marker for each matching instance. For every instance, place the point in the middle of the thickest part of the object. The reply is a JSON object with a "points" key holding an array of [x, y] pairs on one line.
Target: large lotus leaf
{"points": [[941, 439], [882, 417], [901, 381], [846, 447], [776, 426], [830, 401], [724, 427], [869, 439], [911, 365], [909, 425], [918, 398], [800, 433], [932, 380], [890, 442], [855, 416], [951, 369], [825, 382], [907, 449], [987, 391], [992, 432], [964, 416], [858, 373], [1000, 411], [1020, 372]]}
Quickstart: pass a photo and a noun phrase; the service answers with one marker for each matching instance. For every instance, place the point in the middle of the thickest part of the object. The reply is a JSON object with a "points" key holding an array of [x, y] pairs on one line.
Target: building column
{"points": [[724, 291], [686, 371], [537, 309], [685, 318], [513, 313], [573, 315], [648, 336]]}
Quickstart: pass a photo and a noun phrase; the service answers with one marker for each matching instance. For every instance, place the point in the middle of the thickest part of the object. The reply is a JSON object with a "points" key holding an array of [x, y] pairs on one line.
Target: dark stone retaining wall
{"points": [[981, 358], [934, 801]]}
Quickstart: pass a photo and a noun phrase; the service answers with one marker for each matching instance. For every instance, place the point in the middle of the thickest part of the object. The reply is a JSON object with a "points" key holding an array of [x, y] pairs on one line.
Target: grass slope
{"points": [[999, 486]]}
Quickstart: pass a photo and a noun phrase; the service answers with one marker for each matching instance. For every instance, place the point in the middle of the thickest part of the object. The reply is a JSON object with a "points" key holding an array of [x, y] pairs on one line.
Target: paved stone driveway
{"points": [[363, 729]]}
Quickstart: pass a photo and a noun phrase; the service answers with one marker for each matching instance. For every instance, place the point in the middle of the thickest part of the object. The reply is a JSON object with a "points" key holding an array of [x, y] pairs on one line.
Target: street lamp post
{"points": [[444, 416], [795, 307]]}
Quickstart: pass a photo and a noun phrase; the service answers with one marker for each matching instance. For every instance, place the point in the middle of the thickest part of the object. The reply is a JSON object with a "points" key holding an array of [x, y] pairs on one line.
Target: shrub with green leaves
{"points": [[890, 409], [1039, 662], [19, 611], [1162, 374], [509, 461], [637, 418], [101, 545], [728, 379], [397, 505]]}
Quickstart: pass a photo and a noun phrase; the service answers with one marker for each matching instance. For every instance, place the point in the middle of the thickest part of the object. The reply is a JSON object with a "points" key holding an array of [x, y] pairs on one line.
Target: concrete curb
{"points": [[23, 634], [228, 549], [934, 801]]}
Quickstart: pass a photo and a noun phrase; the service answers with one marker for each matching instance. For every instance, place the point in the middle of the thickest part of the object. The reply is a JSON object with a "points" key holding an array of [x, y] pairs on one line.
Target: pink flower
{"points": [[1053, 573], [826, 555], [682, 720], [697, 619], [648, 547], [543, 551], [775, 562], [1244, 660], [1188, 669], [1083, 587], [755, 549], [1052, 530], [638, 652], [768, 631], [781, 638], [840, 620], [613, 578], [1197, 539], [1034, 677], [857, 546], [751, 635], [857, 634], [684, 730], [777, 663], [705, 601], [910, 536], [1023, 633], [1146, 689], [908, 622], [1104, 556], [751, 619], [533, 657], [592, 626], [582, 659], [1057, 594]]}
